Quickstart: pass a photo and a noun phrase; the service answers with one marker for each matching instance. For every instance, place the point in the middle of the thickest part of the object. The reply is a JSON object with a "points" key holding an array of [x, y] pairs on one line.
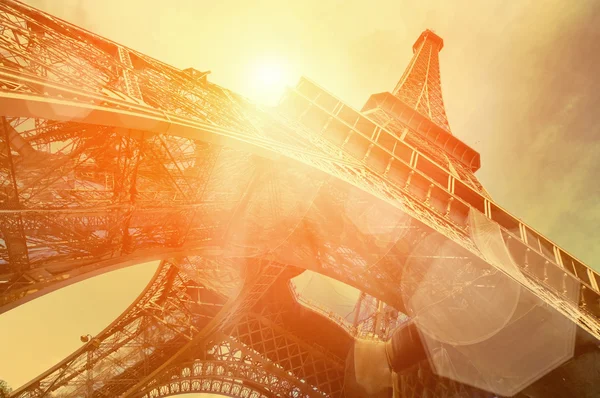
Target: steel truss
{"points": [[420, 86], [110, 158]]}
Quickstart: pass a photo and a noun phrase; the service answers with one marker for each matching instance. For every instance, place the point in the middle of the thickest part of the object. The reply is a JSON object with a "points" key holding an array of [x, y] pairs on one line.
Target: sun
{"points": [[269, 77], [269, 74]]}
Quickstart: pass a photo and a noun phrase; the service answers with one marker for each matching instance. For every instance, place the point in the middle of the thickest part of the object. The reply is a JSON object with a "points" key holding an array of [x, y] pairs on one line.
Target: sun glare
{"points": [[269, 74], [268, 80]]}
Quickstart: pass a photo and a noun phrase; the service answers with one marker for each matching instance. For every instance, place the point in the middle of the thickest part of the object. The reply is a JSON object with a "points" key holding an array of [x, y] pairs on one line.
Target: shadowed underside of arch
{"points": [[111, 158], [195, 330], [116, 158]]}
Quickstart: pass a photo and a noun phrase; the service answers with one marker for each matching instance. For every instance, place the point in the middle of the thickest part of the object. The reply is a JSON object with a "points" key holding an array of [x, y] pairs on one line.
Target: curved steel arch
{"points": [[238, 383], [206, 375], [65, 73], [207, 385], [136, 116], [177, 317]]}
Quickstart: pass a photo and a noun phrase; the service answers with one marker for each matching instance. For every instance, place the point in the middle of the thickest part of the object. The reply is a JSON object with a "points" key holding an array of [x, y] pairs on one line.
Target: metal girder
{"points": [[430, 194], [233, 378], [124, 159], [79, 236], [11, 229], [281, 352], [194, 107], [420, 86], [172, 317]]}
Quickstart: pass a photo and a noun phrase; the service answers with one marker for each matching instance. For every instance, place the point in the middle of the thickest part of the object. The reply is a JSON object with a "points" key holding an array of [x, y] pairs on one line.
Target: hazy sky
{"points": [[519, 79]]}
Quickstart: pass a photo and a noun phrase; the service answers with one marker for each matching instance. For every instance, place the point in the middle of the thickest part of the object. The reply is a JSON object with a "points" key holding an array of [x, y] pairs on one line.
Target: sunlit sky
{"points": [[520, 85]]}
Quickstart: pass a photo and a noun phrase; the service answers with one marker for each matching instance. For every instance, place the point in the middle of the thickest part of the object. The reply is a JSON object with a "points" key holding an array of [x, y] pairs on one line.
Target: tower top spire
{"points": [[420, 86], [416, 103], [428, 34]]}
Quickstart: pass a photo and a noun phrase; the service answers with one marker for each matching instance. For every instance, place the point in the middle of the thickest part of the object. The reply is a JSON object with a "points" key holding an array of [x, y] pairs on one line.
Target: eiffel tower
{"points": [[110, 158]]}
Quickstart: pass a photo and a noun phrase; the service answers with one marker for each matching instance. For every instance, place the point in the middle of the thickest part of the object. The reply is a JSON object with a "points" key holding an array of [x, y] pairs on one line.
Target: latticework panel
{"points": [[309, 363], [144, 161], [283, 332], [174, 315], [425, 148], [223, 364], [145, 335], [420, 86], [376, 320], [421, 381], [230, 379], [429, 191]]}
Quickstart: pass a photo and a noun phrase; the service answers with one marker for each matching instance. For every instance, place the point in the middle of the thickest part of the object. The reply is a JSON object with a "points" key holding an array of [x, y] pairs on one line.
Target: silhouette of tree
{"points": [[4, 389]]}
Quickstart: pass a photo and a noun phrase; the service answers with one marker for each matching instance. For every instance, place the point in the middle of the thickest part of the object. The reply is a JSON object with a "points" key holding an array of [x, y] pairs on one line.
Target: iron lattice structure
{"points": [[110, 158], [420, 86]]}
